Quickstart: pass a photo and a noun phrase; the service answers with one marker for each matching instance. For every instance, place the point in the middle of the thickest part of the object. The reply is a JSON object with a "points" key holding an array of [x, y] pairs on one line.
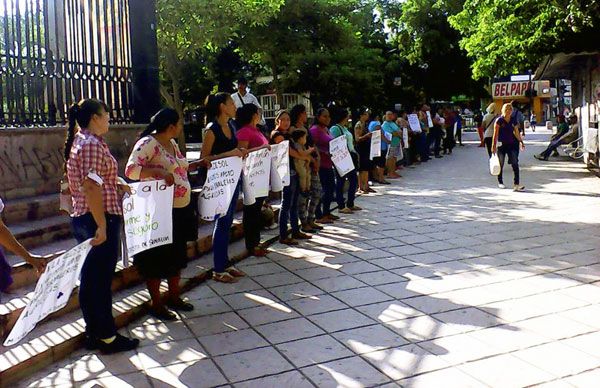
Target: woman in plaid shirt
{"points": [[97, 214]]}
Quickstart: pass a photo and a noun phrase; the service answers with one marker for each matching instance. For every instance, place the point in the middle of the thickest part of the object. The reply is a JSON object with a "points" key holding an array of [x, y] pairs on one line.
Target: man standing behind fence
{"points": [[243, 96]]}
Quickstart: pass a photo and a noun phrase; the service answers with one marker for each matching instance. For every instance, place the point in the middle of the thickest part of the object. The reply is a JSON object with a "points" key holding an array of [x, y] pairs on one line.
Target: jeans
{"points": [[423, 146], [352, 179], [488, 145], [221, 235], [327, 177], [553, 146], [512, 151], [253, 223], [435, 139], [289, 207], [95, 296], [307, 206]]}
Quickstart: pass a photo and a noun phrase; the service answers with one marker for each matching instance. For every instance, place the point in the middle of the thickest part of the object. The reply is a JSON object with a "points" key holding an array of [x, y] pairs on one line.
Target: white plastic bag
{"points": [[494, 165]]}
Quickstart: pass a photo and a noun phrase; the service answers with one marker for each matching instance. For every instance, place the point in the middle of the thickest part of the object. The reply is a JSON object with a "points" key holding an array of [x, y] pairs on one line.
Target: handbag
{"points": [[494, 165]]}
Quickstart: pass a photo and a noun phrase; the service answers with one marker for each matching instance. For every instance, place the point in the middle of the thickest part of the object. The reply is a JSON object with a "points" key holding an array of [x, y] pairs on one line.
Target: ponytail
{"points": [[213, 105], [81, 114], [162, 120]]}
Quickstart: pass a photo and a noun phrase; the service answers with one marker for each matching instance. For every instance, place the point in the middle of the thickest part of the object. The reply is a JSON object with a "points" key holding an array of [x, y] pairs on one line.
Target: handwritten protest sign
{"points": [[148, 216], [405, 137], [340, 156], [256, 174], [375, 144], [280, 165], [217, 192], [52, 291], [429, 120], [413, 122]]}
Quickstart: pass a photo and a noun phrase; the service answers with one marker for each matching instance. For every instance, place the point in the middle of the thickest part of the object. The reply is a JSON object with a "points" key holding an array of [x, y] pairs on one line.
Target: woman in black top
{"points": [[220, 142]]}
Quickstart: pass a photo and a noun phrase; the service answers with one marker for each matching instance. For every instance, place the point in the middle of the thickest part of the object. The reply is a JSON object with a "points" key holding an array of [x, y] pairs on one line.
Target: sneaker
{"points": [[518, 188], [120, 344], [325, 220], [162, 313], [501, 186], [540, 157], [355, 208], [306, 228], [332, 217], [180, 305], [345, 211], [236, 272], [288, 241]]}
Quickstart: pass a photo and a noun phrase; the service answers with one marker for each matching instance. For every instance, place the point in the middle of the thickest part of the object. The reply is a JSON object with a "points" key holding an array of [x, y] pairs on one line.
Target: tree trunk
{"points": [[174, 99], [276, 84]]}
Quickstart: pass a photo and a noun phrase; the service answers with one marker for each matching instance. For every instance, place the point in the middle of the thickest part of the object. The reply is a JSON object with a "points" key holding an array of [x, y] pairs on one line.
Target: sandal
{"points": [[180, 305], [163, 313], [301, 236], [332, 217], [259, 252], [316, 226], [288, 241], [325, 220], [224, 277], [235, 272]]}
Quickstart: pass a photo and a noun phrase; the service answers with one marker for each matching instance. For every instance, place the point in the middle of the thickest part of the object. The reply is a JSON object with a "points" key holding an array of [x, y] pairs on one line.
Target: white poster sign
{"points": [[52, 291], [413, 122], [340, 155], [375, 144], [429, 120], [280, 165], [405, 137], [256, 174], [217, 192], [148, 216]]}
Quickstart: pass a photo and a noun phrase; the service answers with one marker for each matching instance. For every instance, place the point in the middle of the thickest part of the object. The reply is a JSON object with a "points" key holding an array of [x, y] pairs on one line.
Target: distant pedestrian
{"points": [[362, 137], [320, 134], [507, 141], [488, 127]]}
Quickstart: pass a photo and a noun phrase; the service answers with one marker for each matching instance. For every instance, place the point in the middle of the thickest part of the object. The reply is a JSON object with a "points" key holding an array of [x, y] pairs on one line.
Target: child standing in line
{"points": [[302, 166]]}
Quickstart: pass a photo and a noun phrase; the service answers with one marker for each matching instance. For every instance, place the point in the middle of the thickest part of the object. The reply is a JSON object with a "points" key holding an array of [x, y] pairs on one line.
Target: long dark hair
{"points": [[296, 111], [338, 114], [162, 120], [244, 114], [81, 114], [213, 105], [320, 111]]}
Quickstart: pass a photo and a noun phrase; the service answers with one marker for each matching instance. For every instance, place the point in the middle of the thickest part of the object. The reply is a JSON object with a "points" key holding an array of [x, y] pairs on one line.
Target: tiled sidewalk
{"points": [[442, 281]]}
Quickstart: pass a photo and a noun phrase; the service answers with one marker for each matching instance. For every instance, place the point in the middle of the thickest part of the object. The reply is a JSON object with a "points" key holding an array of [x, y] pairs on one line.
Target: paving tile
{"points": [[585, 379], [349, 372], [392, 262], [405, 361], [289, 330], [398, 290], [370, 338], [456, 349], [318, 273], [587, 343], [507, 338], [266, 314], [174, 352], [493, 372], [447, 378], [341, 320], [249, 299], [558, 359], [431, 304], [262, 269], [339, 283], [277, 279], [202, 373], [313, 350], [252, 364], [161, 332], [418, 328], [232, 342], [405, 250], [554, 326], [106, 379], [215, 324], [296, 291], [293, 379], [207, 306], [380, 277], [359, 267], [388, 311], [243, 285], [316, 304], [361, 296], [468, 319]]}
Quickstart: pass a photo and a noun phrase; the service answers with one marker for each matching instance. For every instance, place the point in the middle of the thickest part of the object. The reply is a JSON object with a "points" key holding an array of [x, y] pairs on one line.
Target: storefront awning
{"points": [[563, 65]]}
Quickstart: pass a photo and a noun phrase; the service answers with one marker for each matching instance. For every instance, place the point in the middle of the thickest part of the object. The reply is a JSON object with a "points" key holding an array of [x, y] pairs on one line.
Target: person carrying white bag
{"points": [[506, 132]]}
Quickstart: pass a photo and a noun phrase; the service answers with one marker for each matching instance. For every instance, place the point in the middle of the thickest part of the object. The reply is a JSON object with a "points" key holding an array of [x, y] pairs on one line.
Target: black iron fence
{"points": [[55, 52]]}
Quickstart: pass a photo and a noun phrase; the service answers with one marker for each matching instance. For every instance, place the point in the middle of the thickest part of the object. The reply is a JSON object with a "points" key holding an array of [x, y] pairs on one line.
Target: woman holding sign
{"points": [[340, 118], [363, 146], [97, 214], [251, 138], [220, 142], [156, 156], [321, 137]]}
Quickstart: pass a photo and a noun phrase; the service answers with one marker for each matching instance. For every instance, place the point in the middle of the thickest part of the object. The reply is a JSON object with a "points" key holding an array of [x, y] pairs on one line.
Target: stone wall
{"points": [[31, 160]]}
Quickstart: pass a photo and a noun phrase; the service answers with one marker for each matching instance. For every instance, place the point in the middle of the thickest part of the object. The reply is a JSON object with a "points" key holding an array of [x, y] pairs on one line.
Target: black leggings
{"points": [[253, 223]]}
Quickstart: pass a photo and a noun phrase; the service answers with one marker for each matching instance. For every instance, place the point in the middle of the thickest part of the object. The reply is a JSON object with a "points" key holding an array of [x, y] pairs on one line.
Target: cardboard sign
{"points": [[413, 122], [340, 155], [375, 144], [280, 165], [52, 291], [256, 175], [429, 120], [148, 216], [217, 192]]}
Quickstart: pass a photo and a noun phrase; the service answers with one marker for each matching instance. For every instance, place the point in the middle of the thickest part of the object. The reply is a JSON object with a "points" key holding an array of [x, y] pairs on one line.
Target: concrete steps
{"points": [[56, 338], [35, 233]]}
